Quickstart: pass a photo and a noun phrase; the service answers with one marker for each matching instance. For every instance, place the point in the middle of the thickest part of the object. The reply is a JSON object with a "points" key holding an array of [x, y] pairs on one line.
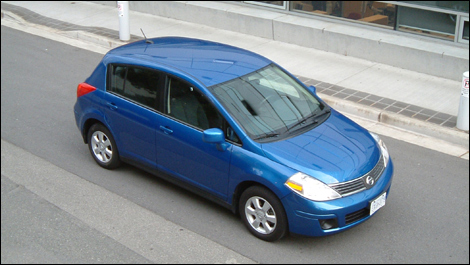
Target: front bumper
{"points": [[306, 217]]}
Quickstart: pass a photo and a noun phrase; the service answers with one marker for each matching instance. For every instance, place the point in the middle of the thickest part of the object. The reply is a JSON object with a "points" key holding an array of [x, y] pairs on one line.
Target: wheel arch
{"points": [[281, 220], [87, 125], [244, 185]]}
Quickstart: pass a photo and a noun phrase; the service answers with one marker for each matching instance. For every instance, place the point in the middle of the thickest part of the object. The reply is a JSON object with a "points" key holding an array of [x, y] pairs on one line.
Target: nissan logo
{"points": [[370, 181]]}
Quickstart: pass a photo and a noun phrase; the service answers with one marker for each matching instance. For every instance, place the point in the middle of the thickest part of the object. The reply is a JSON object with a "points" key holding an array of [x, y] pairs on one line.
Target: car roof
{"points": [[209, 62]]}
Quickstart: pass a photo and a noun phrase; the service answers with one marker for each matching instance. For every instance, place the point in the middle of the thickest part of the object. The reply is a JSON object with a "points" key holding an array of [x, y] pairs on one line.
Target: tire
{"points": [[263, 214], [103, 147]]}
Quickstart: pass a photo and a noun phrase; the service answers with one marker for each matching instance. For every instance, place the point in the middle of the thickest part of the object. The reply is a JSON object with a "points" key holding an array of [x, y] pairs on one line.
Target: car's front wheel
{"points": [[263, 213], [103, 147]]}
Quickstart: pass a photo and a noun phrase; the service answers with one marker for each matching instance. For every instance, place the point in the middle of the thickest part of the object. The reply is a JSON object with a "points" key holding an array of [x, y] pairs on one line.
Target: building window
{"points": [[426, 22], [447, 20], [372, 12], [463, 30], [439, 19], [275, 4], [459, 6]]}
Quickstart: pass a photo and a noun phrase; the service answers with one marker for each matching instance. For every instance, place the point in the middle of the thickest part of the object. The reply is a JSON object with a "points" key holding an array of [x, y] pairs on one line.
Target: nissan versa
{"points": [[237, 128]]}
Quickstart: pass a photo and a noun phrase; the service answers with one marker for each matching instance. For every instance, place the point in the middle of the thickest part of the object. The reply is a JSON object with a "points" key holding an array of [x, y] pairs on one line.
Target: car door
{"points": [[130, 108], [180, 148]]}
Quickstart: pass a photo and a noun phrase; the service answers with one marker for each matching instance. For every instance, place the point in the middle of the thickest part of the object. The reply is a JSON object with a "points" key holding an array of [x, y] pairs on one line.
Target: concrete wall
{"points": [[421, 54]]}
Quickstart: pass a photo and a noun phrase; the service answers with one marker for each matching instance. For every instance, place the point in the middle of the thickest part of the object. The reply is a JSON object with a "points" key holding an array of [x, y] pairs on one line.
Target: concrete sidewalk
{"points": [[409, 100]]}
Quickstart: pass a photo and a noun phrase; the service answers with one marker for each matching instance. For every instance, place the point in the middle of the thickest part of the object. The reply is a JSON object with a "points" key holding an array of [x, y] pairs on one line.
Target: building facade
{"points": [[430, 37], [447, 20]]}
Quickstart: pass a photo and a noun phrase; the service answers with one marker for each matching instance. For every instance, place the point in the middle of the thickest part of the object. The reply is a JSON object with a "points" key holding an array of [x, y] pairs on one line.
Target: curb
{"points": [[94, 38], [451, 135]]}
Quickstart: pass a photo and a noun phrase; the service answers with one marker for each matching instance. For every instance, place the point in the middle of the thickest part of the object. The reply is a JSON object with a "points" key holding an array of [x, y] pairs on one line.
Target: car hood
{"points": [[338, 150]]}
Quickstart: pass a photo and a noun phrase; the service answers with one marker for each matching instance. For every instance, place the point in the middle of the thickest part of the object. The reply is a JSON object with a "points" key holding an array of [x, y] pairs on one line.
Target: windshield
{"points": [[269, 103]]}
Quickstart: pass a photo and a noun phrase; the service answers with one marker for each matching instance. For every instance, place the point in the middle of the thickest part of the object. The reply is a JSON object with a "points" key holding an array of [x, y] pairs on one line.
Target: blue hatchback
{"points": [[236, 128]]}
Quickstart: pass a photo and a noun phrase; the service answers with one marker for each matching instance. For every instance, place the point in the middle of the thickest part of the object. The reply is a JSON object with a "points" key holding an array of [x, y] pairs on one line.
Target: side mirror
{"points": [[215, 136], [313, 89]]}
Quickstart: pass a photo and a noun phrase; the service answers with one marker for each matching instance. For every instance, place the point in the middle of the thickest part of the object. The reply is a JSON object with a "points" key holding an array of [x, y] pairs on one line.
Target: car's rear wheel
{"points": [[103, 147], [263, 213]]}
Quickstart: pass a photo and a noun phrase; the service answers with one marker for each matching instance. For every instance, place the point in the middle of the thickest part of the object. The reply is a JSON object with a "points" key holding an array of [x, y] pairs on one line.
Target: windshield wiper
{"points": [[301, 121], [314, 115], [325, 111], [268, 135]]}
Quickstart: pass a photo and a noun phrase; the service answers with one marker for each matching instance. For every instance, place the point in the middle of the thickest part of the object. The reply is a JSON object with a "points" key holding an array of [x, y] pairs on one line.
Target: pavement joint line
{"points": [[399, 119], [140, 229]]}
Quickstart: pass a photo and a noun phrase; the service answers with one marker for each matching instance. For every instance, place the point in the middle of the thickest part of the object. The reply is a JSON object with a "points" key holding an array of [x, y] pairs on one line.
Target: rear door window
{"points": [[138, 84]]}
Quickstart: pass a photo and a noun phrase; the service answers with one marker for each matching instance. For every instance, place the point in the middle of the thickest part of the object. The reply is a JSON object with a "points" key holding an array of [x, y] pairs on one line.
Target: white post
{"points": [[462, 117], [123, 13]]}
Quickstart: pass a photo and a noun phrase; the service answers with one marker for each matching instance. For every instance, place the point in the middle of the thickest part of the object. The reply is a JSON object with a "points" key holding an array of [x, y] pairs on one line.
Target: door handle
{"points": [[166, 130], [112, 106]]}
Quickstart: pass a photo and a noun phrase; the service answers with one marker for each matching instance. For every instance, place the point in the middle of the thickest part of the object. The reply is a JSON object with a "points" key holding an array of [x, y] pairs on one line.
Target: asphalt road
{"points": [[425, 220]]}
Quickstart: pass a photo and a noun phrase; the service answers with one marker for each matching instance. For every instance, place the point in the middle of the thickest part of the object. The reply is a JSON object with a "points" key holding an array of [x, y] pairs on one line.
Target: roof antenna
{"points": [[146, 40]]}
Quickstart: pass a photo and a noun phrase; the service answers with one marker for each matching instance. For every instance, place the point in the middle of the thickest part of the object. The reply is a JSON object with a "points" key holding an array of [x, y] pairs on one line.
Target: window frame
{"points": [[160, 85], [165, 100], [265, 3], [460, 29]]}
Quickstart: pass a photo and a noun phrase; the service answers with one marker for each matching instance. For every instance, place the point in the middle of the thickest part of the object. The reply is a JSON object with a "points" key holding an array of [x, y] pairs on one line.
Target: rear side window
{"points": [[135, 83]]}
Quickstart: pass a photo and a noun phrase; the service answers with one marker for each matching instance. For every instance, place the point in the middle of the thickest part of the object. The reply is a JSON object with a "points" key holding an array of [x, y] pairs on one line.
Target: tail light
{"points": [[84, 88]]}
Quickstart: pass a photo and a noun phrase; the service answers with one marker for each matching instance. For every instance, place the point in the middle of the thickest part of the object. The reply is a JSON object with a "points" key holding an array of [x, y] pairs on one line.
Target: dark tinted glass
{"points": [[135, 83]]}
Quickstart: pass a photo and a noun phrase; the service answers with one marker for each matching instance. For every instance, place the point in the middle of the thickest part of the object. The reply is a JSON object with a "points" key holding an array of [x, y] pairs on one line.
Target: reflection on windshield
{"points": [[267, 102]]}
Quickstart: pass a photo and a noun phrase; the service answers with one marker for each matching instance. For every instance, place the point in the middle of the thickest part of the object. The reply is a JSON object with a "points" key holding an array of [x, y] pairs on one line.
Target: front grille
{"points": [[356, 185], [356, 216], [349, 187], [376, 172]]}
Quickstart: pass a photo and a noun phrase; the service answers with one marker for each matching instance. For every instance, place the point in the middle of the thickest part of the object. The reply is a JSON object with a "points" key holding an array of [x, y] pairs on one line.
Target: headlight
{"points": [[382, 146], [311, 188]]}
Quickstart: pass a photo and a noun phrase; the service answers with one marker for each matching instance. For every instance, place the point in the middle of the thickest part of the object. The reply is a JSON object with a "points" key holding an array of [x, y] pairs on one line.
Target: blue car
{"points": [[237, 128]]}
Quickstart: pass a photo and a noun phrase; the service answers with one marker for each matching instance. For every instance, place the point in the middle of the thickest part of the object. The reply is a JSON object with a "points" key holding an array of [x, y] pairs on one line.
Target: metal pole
{"points": [[124, 27], [462, 117]]}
